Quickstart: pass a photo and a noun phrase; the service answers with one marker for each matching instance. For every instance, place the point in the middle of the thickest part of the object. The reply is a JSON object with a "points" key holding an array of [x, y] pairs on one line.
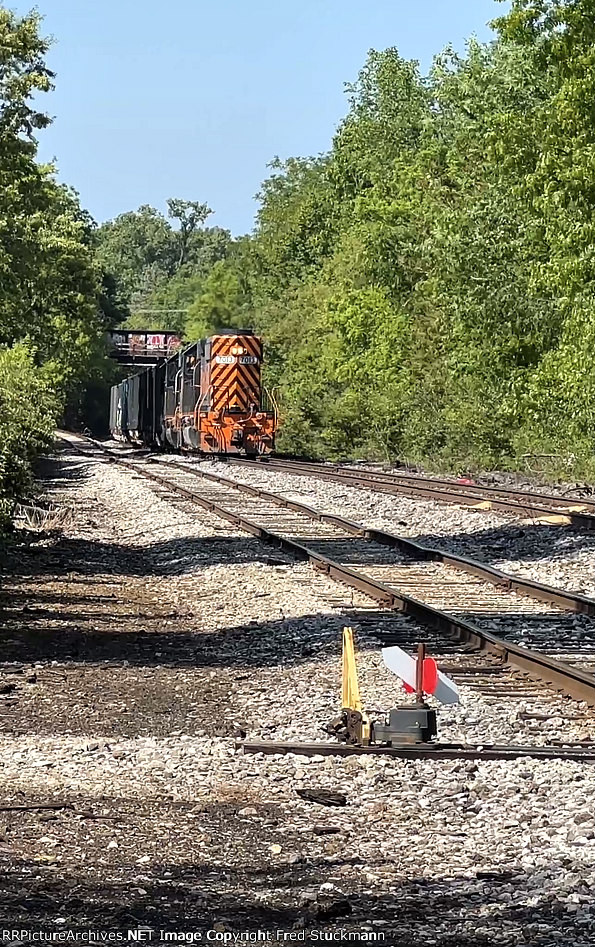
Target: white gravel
{"points": [[555, 555], [450, 853]]}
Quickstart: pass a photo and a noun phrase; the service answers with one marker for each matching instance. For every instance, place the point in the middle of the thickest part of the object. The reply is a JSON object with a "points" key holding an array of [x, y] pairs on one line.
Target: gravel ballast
{"points": [[556, 555], [142, 639]]}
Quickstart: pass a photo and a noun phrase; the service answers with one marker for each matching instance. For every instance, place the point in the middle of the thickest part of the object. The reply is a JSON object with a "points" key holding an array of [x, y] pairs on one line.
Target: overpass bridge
{"points": [[141, 348]]}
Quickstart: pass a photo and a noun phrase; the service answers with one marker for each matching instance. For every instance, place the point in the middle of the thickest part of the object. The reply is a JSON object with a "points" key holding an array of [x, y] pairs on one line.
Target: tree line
{"points": [[425, 288], [51, 320]]}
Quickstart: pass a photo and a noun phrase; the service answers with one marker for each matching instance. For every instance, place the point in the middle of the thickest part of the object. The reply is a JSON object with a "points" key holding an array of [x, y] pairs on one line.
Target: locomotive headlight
{"points": [[238, 350]]}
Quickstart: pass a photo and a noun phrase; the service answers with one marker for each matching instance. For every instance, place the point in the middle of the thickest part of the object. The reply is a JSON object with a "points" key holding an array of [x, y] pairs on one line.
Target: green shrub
{"points": [[28, 411]]}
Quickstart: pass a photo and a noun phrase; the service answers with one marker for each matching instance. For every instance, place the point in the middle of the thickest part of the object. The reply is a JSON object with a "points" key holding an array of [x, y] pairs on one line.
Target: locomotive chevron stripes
{"points": [[236, 385]]}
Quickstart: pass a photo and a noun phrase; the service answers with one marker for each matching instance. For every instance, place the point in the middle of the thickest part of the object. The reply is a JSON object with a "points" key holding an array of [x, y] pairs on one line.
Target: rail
{"points": [[544, 507], [573, 681]]}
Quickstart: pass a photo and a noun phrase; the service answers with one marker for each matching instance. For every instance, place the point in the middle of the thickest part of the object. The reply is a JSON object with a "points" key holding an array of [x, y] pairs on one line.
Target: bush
{"points": [[28, 412]]}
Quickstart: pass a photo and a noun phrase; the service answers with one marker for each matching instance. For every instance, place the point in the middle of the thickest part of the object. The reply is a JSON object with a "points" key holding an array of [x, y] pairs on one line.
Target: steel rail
{"points": [[477, 496], [436, 751], [572, 601], [365, 473], [569, 680]]}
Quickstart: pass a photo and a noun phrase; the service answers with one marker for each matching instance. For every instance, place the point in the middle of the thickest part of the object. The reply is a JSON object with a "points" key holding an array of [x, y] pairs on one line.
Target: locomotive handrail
{"points": [[270, 394], [178, 408], [199, 404]]}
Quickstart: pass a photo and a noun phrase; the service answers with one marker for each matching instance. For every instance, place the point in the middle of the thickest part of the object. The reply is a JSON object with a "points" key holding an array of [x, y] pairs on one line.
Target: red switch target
{"points": [[430, 678]]}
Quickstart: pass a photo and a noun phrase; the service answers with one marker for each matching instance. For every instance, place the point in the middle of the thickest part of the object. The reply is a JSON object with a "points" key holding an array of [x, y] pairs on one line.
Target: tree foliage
{"points": [[427, 285], [426, 288], [51, 325], [28, 407], [158, 268]]}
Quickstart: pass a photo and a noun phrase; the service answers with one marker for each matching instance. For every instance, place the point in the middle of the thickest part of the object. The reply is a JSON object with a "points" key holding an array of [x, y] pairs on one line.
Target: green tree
{"points": [[138, 251], [28, 410], [190, 215], [220, 304], [155, 270], [50, 323], [561, 187]]}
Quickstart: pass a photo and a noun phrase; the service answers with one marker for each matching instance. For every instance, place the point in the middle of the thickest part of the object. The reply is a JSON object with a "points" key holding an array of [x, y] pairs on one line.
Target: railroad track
{"points": [[491, 630], [539, 507]]}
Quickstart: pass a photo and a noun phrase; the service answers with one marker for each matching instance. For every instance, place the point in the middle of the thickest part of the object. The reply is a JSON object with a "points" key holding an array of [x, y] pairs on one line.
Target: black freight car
{"points": [[136, 407]]}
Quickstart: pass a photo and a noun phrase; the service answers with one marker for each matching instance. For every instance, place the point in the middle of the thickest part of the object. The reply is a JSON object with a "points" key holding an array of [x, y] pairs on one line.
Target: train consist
{"points": [[207, 397]]}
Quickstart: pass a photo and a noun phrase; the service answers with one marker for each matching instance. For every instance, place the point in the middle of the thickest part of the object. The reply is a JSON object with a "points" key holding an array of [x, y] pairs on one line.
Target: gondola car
{"points": [[207, 397]]}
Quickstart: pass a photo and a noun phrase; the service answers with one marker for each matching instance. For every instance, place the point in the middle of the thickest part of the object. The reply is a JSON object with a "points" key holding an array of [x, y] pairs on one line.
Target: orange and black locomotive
{"points": [[207, 397]]}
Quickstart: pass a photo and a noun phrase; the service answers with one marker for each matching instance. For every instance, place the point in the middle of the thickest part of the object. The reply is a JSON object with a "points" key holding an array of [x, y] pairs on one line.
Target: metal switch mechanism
{"points": [[407, 725]]}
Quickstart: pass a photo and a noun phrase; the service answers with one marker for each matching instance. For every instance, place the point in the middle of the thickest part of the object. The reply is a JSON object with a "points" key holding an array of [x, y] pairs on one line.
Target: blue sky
{"points": [[192, 98]]}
